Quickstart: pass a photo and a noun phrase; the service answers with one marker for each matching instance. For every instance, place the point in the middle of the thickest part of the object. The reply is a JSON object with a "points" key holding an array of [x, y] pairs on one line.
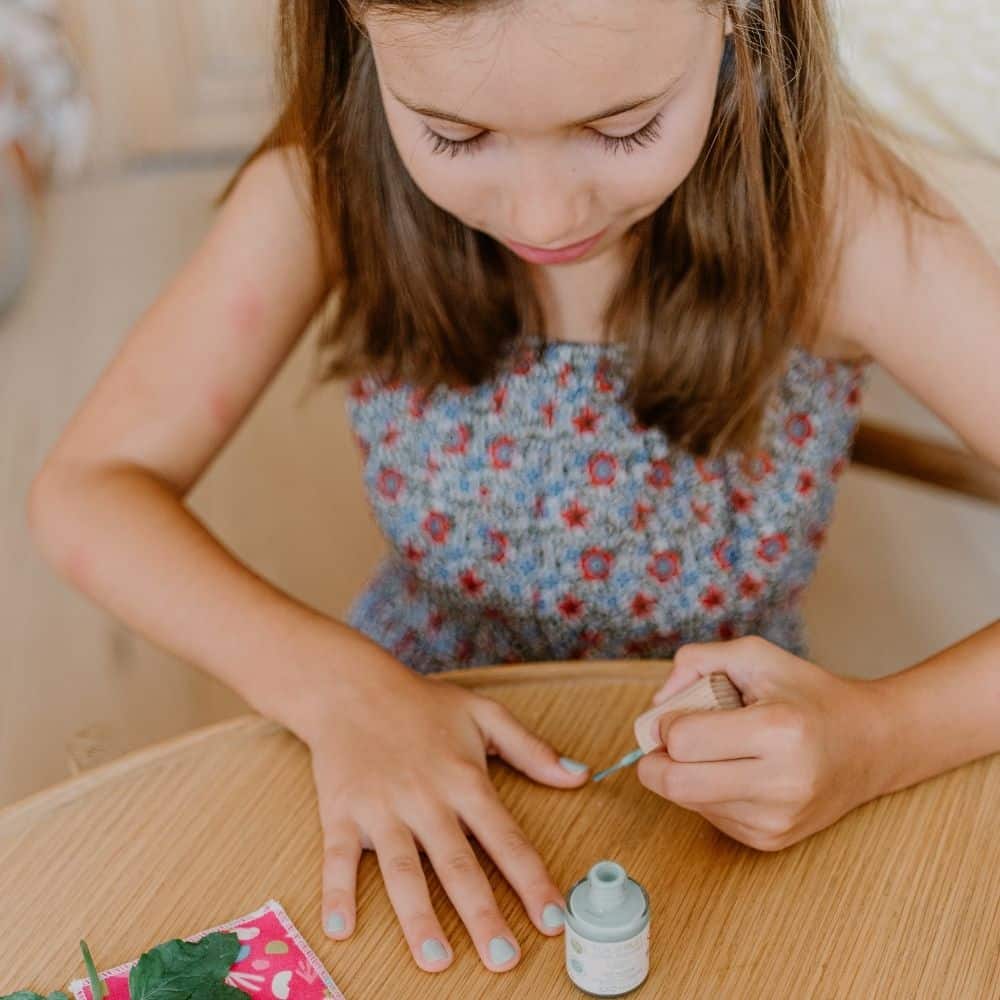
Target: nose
{"points": [[548, 204]]}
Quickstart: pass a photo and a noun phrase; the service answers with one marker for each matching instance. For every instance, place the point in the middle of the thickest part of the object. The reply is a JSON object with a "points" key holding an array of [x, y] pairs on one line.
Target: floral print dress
{"points": [[532, 518]]}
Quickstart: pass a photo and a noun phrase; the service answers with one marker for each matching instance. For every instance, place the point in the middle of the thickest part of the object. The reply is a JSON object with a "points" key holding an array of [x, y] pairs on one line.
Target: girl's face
{"points": [[546, 122]]}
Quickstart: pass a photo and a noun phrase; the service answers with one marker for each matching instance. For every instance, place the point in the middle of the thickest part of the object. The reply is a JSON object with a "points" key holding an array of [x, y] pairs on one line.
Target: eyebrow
{"points": [[618, 109]]}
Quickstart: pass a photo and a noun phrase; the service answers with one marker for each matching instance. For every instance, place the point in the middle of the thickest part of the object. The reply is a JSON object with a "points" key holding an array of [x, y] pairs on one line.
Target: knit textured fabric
{"points": [[532, 518]]}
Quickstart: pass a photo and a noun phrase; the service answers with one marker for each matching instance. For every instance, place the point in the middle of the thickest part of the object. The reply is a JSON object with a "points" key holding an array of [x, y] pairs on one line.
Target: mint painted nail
{"points": [[433, 950], [552, 916], [573, 765], [335, 923], [501, 951]]}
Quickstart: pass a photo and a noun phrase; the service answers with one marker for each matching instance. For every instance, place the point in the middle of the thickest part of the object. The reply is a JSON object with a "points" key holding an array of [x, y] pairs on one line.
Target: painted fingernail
{"points": [[433, 950], [573, 765], [501, 951], [335, 924], [552, 916]]}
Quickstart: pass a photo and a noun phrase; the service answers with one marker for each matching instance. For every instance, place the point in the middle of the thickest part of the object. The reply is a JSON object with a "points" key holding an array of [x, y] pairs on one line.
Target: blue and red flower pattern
{"points": [[534, 518]]}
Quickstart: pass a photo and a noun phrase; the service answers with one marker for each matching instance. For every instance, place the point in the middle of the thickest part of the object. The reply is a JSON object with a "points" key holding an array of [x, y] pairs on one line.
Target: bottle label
{"points": [[607, 968]]}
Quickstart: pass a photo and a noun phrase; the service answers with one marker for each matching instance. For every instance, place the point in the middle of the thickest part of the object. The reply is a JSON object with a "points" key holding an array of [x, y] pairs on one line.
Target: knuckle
{"points": [[671, 784], [337, 851], [796, 731], [678, 741], [467, 774], [376, 816], [753, 644], [490, 709], [806, 785], [500, 709], [427, 810], [421, 917], [485, 913], [788, 723], [515, 843], [403, 864], [766, 842], [334, 806], [774, 825], [461, 862], [685, 655], [335, 895], [475, 792]]}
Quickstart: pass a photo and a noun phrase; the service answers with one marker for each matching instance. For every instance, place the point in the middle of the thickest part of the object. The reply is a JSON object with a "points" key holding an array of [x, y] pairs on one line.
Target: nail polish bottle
{"points": [[607, 932]]}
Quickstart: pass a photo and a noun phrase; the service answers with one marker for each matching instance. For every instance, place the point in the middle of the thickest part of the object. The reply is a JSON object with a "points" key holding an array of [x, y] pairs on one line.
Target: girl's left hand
{"points": [[807, 747]]}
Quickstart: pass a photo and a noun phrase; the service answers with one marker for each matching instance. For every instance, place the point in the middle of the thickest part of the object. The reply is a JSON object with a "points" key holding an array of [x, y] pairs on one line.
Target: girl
{"points": [[609, 276]]}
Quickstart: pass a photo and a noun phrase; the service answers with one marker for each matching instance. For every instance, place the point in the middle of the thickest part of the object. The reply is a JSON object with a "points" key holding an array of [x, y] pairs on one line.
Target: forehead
{"points": [[557, 59]]}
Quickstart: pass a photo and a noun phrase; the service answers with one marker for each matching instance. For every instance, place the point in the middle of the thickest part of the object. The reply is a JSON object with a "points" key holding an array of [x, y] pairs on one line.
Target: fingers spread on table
{"points": [[469, 890], [501, 836], [341, 853], [406, 886], [527, 751]]}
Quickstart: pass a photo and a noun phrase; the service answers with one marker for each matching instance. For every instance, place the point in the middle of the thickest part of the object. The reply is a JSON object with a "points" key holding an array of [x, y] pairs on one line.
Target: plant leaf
{"points": [[187, 970], [28, 995], [98, 989]]}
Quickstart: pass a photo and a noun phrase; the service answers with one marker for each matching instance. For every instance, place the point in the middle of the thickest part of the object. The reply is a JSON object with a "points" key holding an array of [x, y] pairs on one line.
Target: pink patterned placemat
{"points": [[274, 961]]}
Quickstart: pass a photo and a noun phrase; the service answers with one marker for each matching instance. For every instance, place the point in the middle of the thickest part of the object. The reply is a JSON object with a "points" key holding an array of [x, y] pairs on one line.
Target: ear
{"points": [[728, 23]]}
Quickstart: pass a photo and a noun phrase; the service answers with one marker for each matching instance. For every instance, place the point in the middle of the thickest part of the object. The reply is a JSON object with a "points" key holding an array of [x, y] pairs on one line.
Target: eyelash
{"points": [[649, 132]]}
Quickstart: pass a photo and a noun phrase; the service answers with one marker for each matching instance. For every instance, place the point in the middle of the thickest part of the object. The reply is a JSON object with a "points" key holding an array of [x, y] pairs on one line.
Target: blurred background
{"points": [[121, 119]]}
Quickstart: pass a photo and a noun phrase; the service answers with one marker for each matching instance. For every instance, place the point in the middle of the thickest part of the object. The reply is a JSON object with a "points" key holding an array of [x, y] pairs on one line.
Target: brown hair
{"points": [[726, 275]]}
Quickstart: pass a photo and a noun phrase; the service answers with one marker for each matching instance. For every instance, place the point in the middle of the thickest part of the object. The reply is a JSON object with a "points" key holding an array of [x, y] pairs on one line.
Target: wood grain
{"points": [[899, 899], [926, 461]]}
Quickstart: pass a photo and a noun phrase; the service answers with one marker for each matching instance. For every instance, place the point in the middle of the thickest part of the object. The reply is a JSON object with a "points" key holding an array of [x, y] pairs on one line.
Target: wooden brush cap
{"points": [[715, 691]]}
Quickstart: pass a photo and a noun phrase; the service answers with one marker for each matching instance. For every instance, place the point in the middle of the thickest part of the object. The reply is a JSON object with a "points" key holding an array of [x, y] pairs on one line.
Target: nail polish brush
{"points": [[715, 691]]}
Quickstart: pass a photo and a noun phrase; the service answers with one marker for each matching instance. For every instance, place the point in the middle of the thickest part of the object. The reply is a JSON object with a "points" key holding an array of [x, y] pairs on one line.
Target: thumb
{"points": [[529, 753], [744, 661]]}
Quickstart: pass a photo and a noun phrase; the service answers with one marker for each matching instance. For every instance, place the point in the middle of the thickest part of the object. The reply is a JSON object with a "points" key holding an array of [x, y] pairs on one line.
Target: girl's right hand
{"points": [[399, 761]]}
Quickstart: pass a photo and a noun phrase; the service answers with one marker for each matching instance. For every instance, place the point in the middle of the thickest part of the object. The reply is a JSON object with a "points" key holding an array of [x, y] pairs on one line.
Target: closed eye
{"points": [[649, 132]]}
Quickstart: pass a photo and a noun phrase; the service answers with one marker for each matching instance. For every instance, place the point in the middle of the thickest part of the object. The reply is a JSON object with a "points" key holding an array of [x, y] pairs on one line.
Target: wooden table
{"points": [[900, 899]]}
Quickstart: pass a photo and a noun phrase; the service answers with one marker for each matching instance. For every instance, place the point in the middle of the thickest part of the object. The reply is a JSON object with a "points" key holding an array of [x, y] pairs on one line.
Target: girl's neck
{"points": [[574, 296]]}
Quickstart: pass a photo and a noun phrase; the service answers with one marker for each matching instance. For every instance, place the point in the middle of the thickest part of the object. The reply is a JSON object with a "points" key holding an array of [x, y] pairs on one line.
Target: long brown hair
{"points": [[725, 276]]}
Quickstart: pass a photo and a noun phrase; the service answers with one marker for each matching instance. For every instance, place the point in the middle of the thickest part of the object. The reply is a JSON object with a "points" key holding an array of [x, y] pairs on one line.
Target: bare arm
{"points": [[397, 758], [107, 507], [931, 318]]}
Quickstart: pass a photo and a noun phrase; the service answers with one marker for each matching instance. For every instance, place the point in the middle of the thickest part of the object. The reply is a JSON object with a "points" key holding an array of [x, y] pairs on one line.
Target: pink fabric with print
{"points": [[274, 962]]}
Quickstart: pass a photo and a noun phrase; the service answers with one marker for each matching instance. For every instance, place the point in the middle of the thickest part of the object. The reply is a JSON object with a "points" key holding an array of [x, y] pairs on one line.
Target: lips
{"points": [[570, 251], [567, 246]]}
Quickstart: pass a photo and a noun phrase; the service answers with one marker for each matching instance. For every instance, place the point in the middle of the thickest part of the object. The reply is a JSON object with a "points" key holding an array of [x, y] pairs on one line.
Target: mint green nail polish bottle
{"points": [[607, 932]]}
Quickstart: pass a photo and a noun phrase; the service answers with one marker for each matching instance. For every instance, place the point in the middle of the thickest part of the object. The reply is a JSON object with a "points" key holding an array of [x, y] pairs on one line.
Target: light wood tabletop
{"points": [[899, 899]]}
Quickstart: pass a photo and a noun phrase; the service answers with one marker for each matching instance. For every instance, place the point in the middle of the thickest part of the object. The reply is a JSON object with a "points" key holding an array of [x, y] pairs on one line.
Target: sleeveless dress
{"points": [[532, 518]]}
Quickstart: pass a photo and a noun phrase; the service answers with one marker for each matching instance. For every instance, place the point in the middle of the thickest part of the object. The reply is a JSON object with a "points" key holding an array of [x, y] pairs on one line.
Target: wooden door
{"points": [[175, 78]]}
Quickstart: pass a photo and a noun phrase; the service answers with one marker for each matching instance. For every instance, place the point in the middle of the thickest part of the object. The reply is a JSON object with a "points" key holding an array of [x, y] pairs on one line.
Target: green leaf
{"points": [[28, 995], [187, 970], [98, 988]]}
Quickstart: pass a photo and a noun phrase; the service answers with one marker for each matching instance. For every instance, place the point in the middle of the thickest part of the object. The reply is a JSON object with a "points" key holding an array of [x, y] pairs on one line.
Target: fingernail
{"points": [[573, 765], [552, 916], [501, 951], [433, 950], [335, 924]]}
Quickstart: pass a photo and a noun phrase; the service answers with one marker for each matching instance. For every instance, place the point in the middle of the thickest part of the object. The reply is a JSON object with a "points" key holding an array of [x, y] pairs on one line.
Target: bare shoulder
{"points": [[273, 195], [887, 222], [916, 290]]}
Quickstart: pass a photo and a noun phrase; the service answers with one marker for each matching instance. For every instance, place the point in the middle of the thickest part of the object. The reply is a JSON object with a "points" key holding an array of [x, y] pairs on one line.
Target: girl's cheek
{"points": [[455, 186], [438, 175], [642, 190], [448, 186]]}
